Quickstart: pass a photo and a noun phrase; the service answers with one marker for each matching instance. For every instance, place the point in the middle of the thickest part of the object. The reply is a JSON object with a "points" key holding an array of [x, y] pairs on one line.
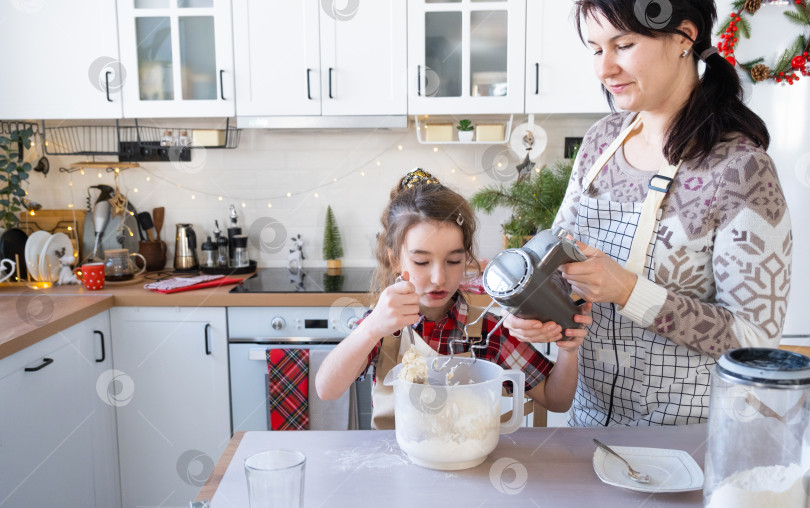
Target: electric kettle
{"points": [[185, 248], [527, 283]]}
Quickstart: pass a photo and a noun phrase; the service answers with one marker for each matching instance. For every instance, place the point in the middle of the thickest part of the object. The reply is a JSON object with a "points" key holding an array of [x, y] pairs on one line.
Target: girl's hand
{"points": [[397, 308], [599, 278], [531, 330]]}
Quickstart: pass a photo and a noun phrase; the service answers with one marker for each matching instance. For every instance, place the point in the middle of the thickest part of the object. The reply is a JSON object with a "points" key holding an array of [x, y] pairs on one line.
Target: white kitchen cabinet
{"points": [[60, 60], [559, 68], [55, 437], [178, 56], [173, 408], [466, 56], [308, 58], [105, 433]]}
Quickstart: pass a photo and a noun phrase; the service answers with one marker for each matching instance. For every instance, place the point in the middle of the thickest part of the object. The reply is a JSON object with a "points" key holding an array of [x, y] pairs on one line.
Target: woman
{"points": [[688, 236]]}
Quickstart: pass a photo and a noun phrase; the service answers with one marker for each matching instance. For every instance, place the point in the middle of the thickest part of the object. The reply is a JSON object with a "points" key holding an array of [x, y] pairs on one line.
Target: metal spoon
{"points": [[410, 328], [636, 475]]}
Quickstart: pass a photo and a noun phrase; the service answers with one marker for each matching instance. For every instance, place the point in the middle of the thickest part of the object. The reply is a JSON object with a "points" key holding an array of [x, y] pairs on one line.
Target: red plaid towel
{"points": [[289, 390]]}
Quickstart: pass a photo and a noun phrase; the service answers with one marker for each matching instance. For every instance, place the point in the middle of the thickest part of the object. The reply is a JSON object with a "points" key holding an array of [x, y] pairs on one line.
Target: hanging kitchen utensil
{"points": [[43, 166]]}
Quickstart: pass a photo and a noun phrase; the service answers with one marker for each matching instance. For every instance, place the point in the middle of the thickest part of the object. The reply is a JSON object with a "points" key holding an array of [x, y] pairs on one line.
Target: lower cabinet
{"points": [[57, 437], [172, 400]]}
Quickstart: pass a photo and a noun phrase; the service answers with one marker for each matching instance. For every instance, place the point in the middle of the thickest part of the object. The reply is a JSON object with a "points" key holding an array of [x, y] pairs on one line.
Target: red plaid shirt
{"points": [[503, 349]]}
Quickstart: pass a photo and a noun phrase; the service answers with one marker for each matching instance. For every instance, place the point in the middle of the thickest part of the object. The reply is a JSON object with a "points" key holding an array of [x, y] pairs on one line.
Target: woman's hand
{"points": [[397, 307], [599, 278], [531, 330]]}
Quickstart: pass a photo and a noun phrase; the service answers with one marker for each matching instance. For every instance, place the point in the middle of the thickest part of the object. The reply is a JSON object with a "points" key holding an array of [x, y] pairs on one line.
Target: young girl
{"points": [[427, 239]]}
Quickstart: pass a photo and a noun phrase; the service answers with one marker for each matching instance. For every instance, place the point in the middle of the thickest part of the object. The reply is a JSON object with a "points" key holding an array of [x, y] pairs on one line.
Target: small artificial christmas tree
{"points": [[332, 246]]}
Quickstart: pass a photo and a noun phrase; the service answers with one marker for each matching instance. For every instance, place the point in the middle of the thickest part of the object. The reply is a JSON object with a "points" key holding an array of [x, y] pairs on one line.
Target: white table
{"points": [[367, 468]]}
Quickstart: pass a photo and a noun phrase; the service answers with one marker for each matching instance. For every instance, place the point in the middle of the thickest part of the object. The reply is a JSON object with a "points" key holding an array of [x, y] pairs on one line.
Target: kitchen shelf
{"points": [[420, 128], [128, 142]]}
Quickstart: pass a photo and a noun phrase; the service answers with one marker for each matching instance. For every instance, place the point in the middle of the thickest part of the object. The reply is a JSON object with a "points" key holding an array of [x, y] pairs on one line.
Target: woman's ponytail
{"points": [[714, 110]]}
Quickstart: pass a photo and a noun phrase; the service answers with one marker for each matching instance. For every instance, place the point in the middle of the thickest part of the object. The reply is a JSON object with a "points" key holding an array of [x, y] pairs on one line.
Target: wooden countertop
{"points": [[28, 315], [31, 316]]}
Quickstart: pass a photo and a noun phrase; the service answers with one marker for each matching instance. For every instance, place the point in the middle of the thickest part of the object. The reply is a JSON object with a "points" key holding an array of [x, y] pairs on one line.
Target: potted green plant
{"points": [[534, 201], [465, 130], [332, 244], [13, 172]]}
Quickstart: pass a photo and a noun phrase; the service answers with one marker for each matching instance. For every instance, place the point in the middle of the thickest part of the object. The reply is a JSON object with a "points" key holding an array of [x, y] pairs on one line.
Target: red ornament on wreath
{"points": [[793, 61]]}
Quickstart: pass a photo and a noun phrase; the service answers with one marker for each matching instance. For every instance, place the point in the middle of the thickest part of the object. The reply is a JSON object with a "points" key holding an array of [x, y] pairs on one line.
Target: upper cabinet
{"points": [[559, 68], [60, 60], [311, 58], [178, 57], [466, 56]]}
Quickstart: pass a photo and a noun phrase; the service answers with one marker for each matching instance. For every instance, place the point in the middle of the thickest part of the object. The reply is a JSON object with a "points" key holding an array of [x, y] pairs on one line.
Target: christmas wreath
{"points": [[794, 60]]}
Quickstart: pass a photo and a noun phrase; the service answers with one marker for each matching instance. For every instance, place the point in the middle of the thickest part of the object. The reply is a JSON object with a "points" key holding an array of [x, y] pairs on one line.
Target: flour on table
{"points": [[383, 455], [761, 486]]}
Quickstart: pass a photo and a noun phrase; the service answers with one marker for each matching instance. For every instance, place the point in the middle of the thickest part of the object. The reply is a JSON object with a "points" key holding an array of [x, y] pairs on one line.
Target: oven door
{"points": [[249, 389]]}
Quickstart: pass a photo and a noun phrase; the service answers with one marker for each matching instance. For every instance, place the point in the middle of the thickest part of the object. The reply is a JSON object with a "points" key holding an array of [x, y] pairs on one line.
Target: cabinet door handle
{"points": [[103, 353], [221, 90], [330, 82], [207, 346], [107, 82], [45, 363], [536, 79], [419, 80], [309, 93]]}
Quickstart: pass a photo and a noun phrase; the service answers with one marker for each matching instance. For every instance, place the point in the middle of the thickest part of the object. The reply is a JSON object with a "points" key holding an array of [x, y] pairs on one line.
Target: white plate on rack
{"points": [[48, 260], [33, 248], [669, 470]]}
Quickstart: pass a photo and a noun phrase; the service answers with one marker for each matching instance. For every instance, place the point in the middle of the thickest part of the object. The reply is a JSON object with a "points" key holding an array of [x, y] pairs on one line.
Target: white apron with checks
{"points": [[629, 375]]}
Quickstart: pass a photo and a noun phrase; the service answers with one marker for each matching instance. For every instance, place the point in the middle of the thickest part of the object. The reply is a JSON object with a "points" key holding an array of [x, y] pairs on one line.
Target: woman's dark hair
{"points": [[417, 198], [715, 108]]}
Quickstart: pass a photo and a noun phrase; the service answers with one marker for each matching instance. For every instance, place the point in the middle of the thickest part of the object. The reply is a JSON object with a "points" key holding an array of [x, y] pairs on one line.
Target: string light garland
{"points": [[794, 60]]}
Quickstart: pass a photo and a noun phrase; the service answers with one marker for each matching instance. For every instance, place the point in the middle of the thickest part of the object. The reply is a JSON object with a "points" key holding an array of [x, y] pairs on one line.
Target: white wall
{"points": [[269, 163]]}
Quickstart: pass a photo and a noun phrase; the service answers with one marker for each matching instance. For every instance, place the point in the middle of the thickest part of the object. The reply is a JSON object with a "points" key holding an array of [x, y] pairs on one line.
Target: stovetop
{"points": [[307, 280]]}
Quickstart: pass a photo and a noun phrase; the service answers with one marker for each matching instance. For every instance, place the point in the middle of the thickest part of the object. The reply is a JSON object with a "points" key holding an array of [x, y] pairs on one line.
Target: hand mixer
{"points": [[526, 282]]}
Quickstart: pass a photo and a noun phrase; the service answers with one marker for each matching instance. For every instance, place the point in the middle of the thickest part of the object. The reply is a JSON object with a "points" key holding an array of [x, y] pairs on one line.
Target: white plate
{"points": [[669, 470], [33, 248], [49, 261]]}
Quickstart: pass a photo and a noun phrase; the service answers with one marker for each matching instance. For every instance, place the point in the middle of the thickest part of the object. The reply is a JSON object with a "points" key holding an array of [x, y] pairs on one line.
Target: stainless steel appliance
{"points": [[527, 282], [254, 330], [185, 248]]}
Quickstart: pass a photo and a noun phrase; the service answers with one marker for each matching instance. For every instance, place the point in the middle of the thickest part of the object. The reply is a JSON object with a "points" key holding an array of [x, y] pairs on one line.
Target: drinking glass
{"points": [[275, 479]]}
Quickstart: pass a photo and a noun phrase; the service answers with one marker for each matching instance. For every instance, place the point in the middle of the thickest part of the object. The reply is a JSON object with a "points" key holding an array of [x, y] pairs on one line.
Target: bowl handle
{"points": [[518, 379]]}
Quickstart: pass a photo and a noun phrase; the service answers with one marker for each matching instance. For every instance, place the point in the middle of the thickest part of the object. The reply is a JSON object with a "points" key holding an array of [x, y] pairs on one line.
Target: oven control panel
{"points": [[254, 324]]}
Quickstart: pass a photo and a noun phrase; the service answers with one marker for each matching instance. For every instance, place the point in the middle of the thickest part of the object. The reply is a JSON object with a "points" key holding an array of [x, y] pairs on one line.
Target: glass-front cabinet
{"points": [[178, 55], [466, 56]]}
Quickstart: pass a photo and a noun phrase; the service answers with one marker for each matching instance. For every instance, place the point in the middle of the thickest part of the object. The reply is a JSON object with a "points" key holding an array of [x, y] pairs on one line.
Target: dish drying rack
{"points": [[130, 143]]}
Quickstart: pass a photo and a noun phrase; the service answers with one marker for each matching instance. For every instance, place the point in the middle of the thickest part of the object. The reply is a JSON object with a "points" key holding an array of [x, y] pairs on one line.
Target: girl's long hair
{"points": [[715, 109]]}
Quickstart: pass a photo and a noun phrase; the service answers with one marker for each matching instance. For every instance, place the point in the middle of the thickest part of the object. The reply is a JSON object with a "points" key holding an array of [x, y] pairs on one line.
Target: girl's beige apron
{"points": [[629, 375], [391, 352]]}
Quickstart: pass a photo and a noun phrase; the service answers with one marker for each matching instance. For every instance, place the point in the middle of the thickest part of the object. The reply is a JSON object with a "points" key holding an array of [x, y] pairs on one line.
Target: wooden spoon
{"points": [[157, 219]]}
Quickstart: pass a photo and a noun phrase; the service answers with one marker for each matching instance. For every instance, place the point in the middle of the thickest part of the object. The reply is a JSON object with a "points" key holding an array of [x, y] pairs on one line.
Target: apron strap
{"points": [[607, 154], [656, 190]]}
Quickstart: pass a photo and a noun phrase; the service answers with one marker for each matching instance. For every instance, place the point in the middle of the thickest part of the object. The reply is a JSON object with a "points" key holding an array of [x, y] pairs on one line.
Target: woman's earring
{"points": [[685, 52]]}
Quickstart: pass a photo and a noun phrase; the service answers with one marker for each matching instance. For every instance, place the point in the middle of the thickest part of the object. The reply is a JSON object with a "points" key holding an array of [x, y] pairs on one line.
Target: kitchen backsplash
{"points": [[282, 181]]}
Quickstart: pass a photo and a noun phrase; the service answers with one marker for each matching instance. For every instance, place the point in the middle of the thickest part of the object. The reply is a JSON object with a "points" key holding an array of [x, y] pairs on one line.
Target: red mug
{"points": [[93, 275]]}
